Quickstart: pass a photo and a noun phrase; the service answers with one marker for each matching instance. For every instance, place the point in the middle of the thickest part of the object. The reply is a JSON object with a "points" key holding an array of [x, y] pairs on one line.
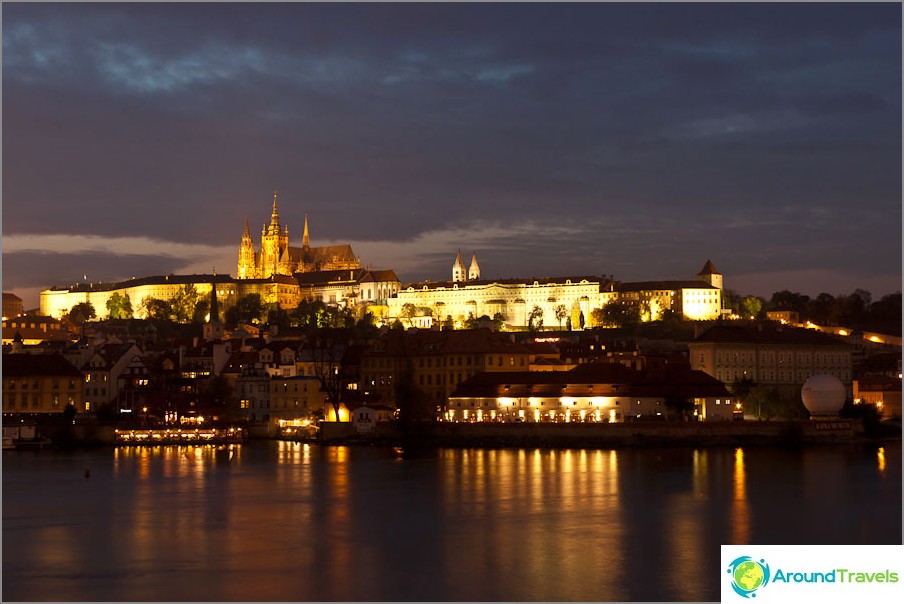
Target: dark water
{"points": [[283, 521]]}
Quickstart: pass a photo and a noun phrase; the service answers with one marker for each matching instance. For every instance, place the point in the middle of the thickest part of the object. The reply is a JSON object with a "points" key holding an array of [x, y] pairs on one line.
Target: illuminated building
{"points": [[41, 383], [56, 301], [12, 306], [295, 397], [349, 287], [277, 257], [103, 369], [562, 301], [882, 391], [34, 330], [695, 300], [592, 392], [770, 354]]}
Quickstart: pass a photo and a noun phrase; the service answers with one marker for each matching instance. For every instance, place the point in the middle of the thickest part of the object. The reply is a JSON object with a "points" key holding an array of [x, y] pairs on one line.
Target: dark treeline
{"points": [[857, 310]]}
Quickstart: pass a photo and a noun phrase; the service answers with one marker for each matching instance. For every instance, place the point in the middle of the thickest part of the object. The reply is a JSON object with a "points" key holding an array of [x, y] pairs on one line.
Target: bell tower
{"points": [[246, 268], [458, 269]]}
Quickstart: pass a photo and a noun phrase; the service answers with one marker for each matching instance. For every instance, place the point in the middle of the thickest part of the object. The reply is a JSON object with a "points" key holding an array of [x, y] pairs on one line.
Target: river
{"points": [[279, 521]]}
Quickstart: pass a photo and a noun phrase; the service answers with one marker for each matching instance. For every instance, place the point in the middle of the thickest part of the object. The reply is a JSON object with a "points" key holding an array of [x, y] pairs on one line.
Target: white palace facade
{"points": [[562, 301]]}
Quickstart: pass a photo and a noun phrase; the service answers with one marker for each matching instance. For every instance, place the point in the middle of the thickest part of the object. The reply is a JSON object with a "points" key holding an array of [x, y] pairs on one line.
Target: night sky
{"points": [[555, 140]]}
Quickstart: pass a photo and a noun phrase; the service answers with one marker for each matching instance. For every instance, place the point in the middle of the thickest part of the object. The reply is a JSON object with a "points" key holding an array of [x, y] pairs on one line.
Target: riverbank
{"points": [[551, 435], [509, 435]]}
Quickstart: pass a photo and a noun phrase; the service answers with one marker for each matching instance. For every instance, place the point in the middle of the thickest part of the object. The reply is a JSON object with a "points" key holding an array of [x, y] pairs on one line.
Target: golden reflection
{"points": [[701, 473], [685, 530], [539, 504], [880, 455], [740, 509], [339, 516]]}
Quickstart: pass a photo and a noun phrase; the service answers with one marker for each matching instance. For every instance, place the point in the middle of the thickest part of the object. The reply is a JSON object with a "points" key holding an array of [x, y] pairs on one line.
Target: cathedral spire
{"points": [[274, 217], [213, 329], [214, 306], [458, 269], [474, 270], [246, 234], [305, 239]]}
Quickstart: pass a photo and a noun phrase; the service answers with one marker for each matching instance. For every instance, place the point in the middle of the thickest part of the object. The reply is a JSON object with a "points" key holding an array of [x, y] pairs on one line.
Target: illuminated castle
{"points": [[277, 257]]}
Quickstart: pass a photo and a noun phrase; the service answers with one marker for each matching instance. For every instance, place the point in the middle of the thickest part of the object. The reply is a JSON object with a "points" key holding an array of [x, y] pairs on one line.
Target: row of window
{"points": [[768, 376], [767, 358], [10, 401], [35, 385]]}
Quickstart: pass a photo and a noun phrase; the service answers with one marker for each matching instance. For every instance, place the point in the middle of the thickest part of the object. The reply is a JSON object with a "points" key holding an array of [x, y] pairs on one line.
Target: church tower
{"points": [[274, 246], [305, 238], [474, 270], [247, 268], [458, 269], [709, 274], [213, 329]]}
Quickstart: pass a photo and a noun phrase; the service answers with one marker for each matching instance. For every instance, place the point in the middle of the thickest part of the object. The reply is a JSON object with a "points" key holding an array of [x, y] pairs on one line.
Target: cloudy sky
{"points": [[584, 139]]}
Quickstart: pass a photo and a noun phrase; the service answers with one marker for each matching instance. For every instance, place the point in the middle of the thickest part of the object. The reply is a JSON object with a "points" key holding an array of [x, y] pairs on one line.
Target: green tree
{"points": [[751, 307], [155, 308], [182, 304], [119, 306], [561, 312], [535, 319]]}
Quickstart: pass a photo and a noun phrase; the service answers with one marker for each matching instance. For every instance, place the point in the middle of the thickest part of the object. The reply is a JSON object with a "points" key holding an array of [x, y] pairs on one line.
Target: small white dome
{"points": [[823, 395]]}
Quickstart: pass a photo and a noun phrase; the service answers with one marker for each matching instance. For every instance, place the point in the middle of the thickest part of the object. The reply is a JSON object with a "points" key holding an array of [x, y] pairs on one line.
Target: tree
{"points": [[81, 312], [561, 313], [741, 388], [155, 308], [731, 300], [679, 405], [448, 322], [249, 309], [471, 322], [202, 309], [751, 307], [407, 312], [597, 317], [182, 304], [498, 322], [620, 314], [535, 319], [414, 404], [327, 354], [119, 306]]}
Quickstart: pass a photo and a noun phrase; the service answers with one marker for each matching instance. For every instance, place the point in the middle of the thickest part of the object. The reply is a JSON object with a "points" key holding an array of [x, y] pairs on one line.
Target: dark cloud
{"points": [[45, 269], [383, 122]]}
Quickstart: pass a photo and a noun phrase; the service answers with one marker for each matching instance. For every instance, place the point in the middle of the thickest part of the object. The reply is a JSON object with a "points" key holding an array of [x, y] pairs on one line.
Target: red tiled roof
{"points": [[708, 269]]}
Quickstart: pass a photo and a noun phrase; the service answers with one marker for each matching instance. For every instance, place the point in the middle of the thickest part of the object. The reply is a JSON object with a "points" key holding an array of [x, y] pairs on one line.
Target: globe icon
{"points": [[748, 575]]}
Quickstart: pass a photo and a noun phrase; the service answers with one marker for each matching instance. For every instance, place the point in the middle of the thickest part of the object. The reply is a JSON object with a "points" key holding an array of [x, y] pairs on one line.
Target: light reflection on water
{"points": [[290, 521]]}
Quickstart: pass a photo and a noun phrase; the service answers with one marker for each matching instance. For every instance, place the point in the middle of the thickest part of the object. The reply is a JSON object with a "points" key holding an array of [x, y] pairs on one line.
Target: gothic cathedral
{"points": [[277, 257]]}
